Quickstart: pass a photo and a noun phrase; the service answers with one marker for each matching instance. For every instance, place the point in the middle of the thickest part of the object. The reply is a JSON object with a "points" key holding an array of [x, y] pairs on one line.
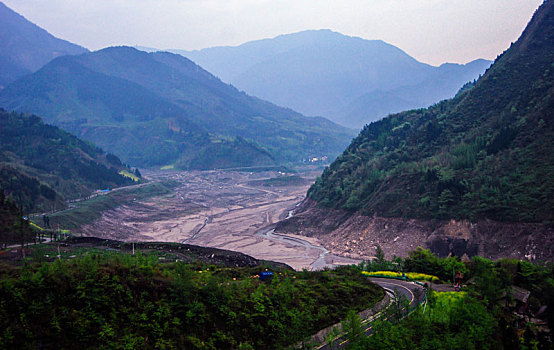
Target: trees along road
{"points": [[410, 291]]}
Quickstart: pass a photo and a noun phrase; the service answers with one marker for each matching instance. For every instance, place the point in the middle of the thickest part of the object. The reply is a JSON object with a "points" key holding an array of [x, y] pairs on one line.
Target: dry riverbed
{"points": [[223, 209]]}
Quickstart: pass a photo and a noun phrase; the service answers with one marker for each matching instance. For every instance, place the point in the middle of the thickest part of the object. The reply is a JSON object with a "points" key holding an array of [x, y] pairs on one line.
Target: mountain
{"points": [[155, 108], [483, 157], [27, 47], [41, 166], [320, 72]]}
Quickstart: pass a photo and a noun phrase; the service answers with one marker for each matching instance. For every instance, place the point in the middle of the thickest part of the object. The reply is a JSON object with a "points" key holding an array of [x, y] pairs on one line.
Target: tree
{"points": [[446, 199], [379, 255], [354, 331]]}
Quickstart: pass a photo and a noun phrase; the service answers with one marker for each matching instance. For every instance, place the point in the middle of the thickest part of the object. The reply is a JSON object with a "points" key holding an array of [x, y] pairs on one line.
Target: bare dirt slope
{"points": [[356, 236]]}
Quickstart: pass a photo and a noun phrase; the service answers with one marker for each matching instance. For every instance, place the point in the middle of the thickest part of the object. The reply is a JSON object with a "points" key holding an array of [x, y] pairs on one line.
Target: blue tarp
{"points": [[264, 275]]}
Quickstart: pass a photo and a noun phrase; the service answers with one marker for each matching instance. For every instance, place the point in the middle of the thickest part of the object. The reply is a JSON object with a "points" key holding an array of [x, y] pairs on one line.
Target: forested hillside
{"points": [[486, 154], [41, 166], [161, 108]]}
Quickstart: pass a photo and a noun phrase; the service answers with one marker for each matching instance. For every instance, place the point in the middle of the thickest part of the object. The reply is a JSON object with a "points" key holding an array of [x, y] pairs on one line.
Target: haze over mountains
{"points": [[469, 178], [485, 155], [161, 108], [351, 81], [154, 109], [26, 47]]}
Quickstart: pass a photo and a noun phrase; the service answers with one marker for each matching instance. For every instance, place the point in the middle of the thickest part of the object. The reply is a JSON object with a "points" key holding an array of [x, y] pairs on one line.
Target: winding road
{"points": [[414, 293], [408, 290]]}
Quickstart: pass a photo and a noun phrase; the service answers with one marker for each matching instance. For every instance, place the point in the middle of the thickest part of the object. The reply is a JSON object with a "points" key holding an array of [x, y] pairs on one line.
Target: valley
{"points": [[221, 209], [219, 198]]}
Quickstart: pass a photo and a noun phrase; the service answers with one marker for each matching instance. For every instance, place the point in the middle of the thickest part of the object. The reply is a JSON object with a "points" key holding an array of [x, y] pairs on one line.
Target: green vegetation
{"points": [[155, 109], [420, 262], [281, 181], [132, 175], [41, 166], [487, 153], [13, 228], [87, 211], [98, 296], [28, 191], [485, 315], [115, 300], [449, 322], [226, 153]]}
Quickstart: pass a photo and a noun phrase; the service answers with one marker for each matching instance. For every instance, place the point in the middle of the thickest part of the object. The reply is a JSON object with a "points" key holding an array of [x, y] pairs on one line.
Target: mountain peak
{"points": [[121, 48], [326, 73]]}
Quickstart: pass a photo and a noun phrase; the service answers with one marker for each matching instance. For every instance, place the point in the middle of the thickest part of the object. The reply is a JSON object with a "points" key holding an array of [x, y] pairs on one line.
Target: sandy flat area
{"points": [[221, 209]]}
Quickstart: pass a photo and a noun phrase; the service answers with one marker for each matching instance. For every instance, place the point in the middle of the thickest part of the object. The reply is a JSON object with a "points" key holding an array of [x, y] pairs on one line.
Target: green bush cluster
{"points": [[124, 301], [13, 228], [486, 153], [478, 317], [461, 323]]}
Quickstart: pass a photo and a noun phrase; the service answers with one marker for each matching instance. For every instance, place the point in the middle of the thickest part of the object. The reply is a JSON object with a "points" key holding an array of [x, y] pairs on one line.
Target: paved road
{"points": [[71, 204], [414, 293], [46, 240], [409, 290]]}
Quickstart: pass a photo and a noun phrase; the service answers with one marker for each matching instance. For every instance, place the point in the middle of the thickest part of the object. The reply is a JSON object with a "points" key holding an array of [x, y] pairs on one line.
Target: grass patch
{"points": [[35, 226], [281, 181], [130, 175]]}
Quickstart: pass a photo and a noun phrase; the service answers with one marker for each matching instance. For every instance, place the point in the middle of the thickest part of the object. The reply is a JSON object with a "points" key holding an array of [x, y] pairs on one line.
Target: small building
{"points": [[518, 299]]}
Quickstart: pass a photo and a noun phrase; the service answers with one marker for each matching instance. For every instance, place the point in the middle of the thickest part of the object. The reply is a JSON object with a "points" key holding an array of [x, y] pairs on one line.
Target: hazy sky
{"points": [[433, 31]]}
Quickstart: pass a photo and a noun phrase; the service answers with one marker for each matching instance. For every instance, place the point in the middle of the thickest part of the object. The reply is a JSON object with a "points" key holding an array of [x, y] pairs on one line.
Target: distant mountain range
{"points": [[26, 47], [156, 109], [351, 81], [41, 166], [161, 108]]}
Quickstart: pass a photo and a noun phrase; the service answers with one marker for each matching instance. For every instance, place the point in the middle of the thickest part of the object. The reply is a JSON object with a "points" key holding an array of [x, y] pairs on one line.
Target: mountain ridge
{"points": [[473, 171], [321, 72], [118, 97], [43, 166], [26, 47]]}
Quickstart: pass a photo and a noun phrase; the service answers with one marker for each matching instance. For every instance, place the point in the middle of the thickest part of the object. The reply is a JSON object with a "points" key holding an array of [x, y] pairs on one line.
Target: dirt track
{"points": [[216, 209]]}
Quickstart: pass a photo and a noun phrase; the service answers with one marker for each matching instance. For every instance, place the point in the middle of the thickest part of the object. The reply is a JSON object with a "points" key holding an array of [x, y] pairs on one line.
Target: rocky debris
{"points": [[356, 236]]}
